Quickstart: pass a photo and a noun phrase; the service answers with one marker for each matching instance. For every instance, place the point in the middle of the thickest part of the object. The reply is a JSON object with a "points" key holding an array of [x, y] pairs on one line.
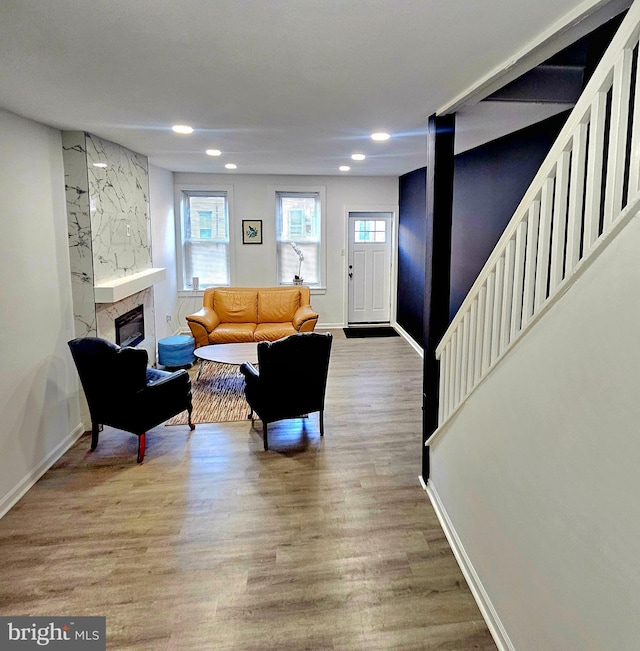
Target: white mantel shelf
{"points": [[115, 290]]}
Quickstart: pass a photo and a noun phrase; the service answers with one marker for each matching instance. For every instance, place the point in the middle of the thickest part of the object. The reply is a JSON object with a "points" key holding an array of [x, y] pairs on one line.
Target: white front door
{"points": [[369, 266]]}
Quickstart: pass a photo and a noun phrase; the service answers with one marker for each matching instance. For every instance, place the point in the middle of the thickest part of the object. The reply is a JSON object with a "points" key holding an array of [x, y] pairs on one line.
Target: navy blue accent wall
{"points": [[489, 182], [412, 229]]}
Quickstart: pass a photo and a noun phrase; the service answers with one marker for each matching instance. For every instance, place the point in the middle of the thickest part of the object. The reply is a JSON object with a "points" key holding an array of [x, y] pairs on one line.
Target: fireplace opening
{"points": [[130, 327]]}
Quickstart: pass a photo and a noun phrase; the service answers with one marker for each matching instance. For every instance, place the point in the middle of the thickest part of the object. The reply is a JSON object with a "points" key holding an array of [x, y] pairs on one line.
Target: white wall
{"points": [[538, 472], [163, 249], [253, 198], [39, 405]]}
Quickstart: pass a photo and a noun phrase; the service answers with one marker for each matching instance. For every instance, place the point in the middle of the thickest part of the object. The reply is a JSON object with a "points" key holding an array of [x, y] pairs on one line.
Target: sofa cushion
{"points": [[277, 306], [273, 331], [233, 306], [232, 333]]}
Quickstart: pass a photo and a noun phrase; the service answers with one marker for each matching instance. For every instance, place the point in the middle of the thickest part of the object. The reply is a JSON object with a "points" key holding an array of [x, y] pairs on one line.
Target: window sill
{"points": [[190, 293], [314, 289]]}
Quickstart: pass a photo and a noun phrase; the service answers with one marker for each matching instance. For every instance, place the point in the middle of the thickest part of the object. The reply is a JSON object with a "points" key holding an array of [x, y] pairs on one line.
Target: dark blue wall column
{"points": [[412, 190], [440, 138]]}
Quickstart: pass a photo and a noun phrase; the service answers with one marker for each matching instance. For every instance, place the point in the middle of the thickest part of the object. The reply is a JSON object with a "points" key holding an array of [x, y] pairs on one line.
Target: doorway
{"points": [[370, 237]]}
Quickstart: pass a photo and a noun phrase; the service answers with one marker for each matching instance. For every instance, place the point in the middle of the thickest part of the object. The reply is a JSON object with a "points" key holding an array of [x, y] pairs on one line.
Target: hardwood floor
{"points": [[213, 543]]}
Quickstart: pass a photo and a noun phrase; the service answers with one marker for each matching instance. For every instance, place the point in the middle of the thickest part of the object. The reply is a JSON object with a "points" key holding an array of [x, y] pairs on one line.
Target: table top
{"points": [[229, 353]]}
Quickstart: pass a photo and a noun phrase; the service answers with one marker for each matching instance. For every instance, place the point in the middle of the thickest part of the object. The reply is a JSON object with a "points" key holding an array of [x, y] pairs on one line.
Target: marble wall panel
{"points": [[109, 231], [79, 226], [119, 208]]}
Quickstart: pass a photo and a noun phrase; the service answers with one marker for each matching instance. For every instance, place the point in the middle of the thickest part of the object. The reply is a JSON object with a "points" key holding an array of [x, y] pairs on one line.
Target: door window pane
{"points": [[370, 230]]}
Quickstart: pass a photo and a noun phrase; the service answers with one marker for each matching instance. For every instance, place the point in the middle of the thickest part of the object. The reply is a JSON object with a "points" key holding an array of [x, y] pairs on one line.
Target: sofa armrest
{"points": [[305, 319], [204, 321]]}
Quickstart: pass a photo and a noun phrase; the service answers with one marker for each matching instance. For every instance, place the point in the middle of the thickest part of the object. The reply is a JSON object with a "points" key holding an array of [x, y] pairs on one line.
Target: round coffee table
{"points": [[227, 354]]}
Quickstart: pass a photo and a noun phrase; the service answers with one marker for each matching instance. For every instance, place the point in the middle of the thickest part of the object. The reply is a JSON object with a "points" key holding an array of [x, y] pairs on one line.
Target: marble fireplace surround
{"points": [[107, 313], [107, 189]]}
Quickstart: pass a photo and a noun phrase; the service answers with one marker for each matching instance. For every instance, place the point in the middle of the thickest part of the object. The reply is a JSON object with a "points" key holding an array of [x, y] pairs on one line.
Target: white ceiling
{"points": [[280, 86]]}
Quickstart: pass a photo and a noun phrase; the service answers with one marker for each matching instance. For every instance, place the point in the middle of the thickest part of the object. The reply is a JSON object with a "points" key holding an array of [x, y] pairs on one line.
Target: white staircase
{"points": [[535, 465], [584, 193]]}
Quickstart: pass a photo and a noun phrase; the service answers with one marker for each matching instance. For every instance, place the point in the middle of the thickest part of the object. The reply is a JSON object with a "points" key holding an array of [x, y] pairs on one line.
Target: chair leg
{"points": [[95, 430], [142, 444], [321, 421], [191, 423], [264, 435]]}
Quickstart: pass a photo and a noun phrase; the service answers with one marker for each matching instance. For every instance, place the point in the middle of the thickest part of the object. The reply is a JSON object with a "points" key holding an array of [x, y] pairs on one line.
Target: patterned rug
{"points": [[218, 396]]}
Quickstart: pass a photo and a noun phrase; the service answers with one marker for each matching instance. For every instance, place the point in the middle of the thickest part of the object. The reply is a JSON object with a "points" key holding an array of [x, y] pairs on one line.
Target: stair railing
{"points": [[585, 191]]}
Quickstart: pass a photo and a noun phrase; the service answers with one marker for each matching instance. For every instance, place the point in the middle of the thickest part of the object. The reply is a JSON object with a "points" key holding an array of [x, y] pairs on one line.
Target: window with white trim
{"points": [[298, 237], [204, 238]]}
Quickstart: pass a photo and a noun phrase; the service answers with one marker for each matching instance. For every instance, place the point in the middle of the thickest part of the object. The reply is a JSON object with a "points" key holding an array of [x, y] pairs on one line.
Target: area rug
{"points": [[380, 331], [217, 396]]}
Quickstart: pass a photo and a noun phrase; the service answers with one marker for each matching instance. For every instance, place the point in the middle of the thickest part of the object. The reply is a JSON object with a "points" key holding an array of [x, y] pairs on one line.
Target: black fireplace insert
{"points": [[130, 327]]}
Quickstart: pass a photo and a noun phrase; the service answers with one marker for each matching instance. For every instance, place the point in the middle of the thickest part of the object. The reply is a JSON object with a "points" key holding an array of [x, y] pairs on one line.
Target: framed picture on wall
{"points": [[252, 231]]}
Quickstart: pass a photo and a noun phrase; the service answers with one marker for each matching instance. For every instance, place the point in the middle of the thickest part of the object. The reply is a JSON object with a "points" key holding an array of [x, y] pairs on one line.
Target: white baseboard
{"points": [[410, 340], [8, 501], [497, 630], [330, 326]]}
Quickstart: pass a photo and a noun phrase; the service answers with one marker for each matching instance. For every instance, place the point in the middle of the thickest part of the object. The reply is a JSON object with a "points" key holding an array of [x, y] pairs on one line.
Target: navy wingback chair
{"points": [[123, 392], [291, 380]]}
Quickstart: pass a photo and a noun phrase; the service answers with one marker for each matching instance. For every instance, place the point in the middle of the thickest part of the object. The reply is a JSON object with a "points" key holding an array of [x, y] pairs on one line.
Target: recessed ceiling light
{"points": [[99, 164], [344, 168], [380, 136], [213, 152], [182, 128], [231, 166], [358, 156]]}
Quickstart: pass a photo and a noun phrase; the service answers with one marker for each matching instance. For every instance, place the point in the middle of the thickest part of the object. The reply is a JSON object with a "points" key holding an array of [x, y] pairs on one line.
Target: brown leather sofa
{"points": [[244, 314]]}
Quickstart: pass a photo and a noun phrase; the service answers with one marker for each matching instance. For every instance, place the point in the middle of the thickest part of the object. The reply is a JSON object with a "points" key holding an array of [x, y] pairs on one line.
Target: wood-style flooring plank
{"points": [[213, 543]]}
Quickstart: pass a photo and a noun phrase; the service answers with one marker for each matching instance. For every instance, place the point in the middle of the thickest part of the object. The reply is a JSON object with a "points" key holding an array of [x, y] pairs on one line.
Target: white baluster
{"points": [[457, 368], [576, 197], [507, 295], [488, 323], [464, 355], [443, 412], [477, 367], [594, 170], [559, 230], [544, 242], [518, 279], [634, 156], [471, 359], [528, 294], [618, 136], [497, 310], [451, 405]]}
